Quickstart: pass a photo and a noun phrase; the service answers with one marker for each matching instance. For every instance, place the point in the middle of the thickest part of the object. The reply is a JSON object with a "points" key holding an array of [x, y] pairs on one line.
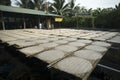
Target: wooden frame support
{"points": [[24, 23], [93, 22], [3, 22]]}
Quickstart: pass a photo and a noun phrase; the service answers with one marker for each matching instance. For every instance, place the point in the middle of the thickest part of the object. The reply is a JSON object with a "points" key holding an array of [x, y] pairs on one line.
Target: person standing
{"points": [[40, 26]]}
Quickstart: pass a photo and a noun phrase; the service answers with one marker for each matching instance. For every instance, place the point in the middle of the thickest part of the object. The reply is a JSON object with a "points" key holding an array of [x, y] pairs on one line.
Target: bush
{"points": [[77, 22], [108, 20]]}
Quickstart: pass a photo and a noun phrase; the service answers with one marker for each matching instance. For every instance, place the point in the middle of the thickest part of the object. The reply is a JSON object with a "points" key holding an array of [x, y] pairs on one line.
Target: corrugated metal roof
{"points": [[24, 11]]}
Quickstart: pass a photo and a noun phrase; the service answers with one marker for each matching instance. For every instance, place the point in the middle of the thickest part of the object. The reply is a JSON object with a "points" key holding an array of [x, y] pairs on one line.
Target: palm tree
{"points": [[31, 4], [117, 6], [39, 4], [59, 7], [97, 11], [73, 8], [83, 10], [5, 2], [23, 3], [90, 11]]}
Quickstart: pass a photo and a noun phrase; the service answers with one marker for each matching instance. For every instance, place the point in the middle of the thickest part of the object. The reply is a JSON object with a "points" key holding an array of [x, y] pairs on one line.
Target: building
{"points": [[21, 18]]}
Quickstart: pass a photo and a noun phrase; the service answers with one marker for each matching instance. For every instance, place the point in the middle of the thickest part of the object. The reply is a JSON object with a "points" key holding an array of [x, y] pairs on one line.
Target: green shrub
{"points": [[77, 22]]}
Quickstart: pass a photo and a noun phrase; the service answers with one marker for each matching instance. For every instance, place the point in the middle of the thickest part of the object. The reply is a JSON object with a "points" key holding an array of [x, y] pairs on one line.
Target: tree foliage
{"points": [[59, 7], [24, 3], [77, 22], [31, 4], [5, 2], [40, 4], [108, 18], [104, 18], [73, 8]]}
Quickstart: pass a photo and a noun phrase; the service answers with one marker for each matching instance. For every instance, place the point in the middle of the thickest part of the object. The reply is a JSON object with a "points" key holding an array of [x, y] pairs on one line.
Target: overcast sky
{"points": [[96, 3], [92, 3]]}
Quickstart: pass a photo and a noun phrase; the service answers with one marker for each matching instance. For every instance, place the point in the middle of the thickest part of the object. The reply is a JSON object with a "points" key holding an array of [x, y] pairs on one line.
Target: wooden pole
{"points": [[49, 23], [38, 22], [24, 23], [77, 21], [3, 23], [93, 23], [46, 7]]}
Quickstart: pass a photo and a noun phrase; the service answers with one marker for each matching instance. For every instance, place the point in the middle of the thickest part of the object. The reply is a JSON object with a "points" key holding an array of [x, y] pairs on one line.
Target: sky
{"points": [[96, 3], [92, 3]]}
